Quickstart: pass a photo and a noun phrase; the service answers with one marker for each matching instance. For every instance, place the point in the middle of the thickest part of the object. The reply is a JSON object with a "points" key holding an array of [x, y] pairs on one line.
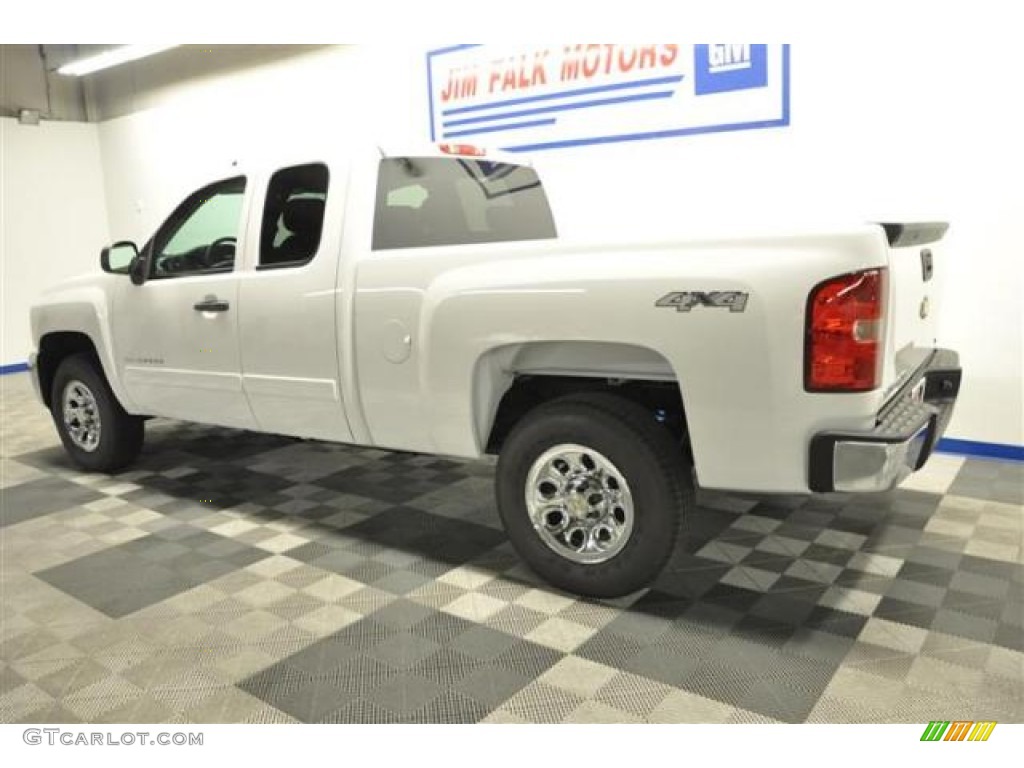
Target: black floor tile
{"points": [[835, 622]]}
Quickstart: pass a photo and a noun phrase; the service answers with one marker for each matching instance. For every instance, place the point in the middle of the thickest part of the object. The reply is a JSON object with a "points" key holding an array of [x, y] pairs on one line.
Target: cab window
{"points": [[424, 201], [293, 216], [201, 236]]}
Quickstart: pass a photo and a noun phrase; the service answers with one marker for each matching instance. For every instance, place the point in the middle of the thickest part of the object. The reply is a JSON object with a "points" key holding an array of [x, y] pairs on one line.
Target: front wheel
{"points": [[591, 490], [96, 431]]}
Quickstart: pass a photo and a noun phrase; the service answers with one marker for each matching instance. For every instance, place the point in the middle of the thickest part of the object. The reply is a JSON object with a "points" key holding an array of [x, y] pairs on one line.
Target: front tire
{"points": [[591, 490], [97, 433]]}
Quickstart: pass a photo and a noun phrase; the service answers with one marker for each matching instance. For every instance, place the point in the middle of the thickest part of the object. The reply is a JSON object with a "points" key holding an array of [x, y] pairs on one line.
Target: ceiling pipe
{"points": [[46, 79]]}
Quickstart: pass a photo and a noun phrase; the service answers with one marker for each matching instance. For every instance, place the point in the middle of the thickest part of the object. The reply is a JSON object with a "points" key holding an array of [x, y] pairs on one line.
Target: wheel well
{"points": [[661, 398], [54, 348]]}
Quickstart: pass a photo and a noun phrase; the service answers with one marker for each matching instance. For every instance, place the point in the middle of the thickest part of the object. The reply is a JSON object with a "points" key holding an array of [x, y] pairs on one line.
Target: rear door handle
{"points": [[211, 304]]}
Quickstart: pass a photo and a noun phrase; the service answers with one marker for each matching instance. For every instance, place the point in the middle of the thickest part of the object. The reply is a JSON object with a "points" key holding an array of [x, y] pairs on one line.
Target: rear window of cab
{"points": [[429, 201]]}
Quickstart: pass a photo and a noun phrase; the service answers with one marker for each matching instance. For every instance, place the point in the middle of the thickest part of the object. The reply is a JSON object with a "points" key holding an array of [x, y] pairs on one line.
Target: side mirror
{"points": [[117, 258], [138, 268]]}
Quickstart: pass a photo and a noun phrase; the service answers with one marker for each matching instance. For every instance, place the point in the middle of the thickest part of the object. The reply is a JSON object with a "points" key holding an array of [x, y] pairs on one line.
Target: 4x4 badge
{"points": [[684, 301]]}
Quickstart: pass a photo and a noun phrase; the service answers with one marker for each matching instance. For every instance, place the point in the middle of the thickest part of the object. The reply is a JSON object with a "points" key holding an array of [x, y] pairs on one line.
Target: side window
{"points": [[293, 216], [423, 201], [202, 234]]}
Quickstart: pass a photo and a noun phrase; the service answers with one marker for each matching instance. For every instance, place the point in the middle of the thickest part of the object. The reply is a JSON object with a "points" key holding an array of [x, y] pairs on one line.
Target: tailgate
{"points": [[914, 265]]}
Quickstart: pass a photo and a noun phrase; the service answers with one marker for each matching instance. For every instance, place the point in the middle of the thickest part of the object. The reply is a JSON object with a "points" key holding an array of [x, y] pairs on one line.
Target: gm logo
{"points": [[722, 67]]}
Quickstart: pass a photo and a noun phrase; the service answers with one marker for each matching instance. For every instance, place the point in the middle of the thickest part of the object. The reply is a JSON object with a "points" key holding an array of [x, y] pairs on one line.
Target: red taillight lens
{"points": [[844, 327]]}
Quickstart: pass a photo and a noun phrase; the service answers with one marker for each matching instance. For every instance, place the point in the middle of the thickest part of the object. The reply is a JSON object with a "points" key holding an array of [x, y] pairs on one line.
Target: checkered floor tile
{"points": [[235, 577]]}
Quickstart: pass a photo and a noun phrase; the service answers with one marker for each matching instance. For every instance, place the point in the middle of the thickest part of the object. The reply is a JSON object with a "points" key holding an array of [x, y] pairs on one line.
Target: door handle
{"points": [[211, 304]]}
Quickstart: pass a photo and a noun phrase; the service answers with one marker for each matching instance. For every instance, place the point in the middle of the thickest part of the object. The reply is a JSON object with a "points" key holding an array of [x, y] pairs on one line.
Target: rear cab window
{"points": [[293, 216], [429, 201]]}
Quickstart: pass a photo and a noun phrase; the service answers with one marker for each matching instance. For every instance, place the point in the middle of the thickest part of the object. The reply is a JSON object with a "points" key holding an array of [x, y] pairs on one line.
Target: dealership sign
{"points": [[542, 97]]}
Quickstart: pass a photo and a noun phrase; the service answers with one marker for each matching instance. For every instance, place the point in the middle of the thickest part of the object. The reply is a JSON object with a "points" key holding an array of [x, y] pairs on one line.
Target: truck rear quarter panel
{"points": [[439, 333]]}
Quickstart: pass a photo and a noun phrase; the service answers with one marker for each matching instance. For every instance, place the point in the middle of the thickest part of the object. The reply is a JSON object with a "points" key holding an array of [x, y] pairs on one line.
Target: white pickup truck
{"points": [[422, 302]]}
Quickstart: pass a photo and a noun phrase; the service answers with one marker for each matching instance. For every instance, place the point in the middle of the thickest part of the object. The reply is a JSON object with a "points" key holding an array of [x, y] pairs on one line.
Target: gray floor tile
{"points": [[1001, 481], [35, 498]]}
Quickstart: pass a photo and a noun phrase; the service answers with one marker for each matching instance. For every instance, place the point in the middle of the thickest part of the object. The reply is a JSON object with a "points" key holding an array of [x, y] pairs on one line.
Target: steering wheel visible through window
{"points": [[220, 254]]}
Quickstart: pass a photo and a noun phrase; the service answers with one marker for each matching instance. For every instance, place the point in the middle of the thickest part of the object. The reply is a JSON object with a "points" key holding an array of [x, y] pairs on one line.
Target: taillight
{"points": [[844, 329]]}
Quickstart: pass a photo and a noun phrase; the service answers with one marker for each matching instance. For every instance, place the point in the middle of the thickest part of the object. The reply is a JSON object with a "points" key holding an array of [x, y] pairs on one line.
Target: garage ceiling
{"points": [[28, 78]]}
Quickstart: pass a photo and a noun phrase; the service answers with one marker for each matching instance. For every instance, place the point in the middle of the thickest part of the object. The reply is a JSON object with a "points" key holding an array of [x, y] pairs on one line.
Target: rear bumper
{"points": [[906, 431]]}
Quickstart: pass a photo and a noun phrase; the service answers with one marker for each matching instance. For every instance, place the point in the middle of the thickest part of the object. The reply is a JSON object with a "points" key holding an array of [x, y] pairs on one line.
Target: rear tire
{"points": [[98, 434], [592, 490]]}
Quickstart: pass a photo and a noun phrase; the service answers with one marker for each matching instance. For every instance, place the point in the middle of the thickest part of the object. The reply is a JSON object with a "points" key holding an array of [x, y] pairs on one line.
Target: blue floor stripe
{"points": [[981, 450]]}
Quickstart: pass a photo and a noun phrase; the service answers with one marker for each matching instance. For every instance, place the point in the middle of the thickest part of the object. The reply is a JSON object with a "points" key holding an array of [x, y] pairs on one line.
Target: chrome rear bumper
{"points": [[905, 434]]}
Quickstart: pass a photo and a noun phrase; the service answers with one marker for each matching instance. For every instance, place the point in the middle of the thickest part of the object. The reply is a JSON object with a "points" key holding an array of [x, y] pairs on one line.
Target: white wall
{"points": [[879, 131], [154, 158], [53, 217]]}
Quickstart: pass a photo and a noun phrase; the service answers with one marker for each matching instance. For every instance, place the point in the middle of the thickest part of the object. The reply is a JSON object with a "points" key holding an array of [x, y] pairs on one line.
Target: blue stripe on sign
{"points": [[502, 127], [13, 368], [563, 107], [565, 94], [981, 450], [649, 135]]}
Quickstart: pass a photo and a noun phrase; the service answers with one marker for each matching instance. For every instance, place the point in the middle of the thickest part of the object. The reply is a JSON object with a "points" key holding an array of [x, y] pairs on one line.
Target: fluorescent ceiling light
{"points": [[111, 58]]}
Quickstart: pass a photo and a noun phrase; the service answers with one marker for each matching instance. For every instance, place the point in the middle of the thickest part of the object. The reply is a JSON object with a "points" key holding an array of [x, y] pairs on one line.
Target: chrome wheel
{"points": [[579, 503], [81, 415]]}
